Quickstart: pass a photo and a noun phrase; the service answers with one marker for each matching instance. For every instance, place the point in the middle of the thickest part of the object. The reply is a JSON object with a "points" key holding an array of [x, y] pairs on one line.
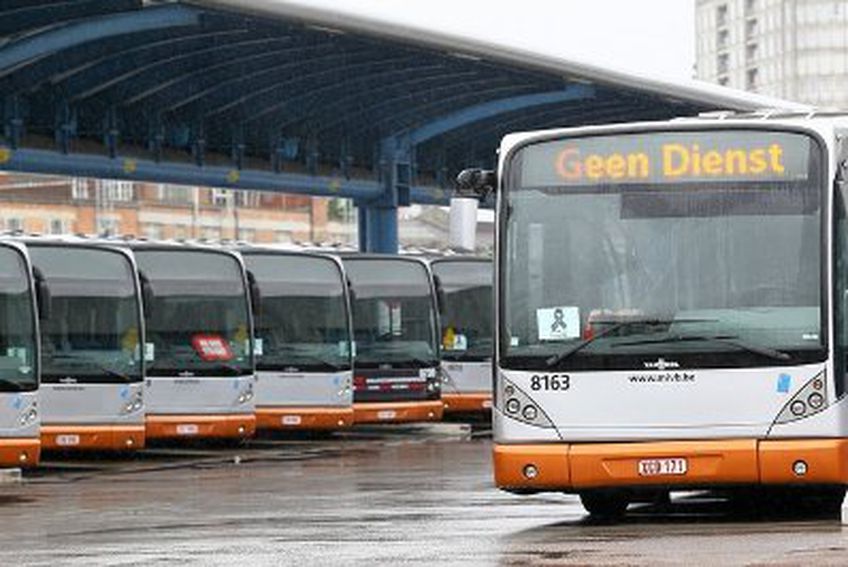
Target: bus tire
{"points": [[605, 504]]}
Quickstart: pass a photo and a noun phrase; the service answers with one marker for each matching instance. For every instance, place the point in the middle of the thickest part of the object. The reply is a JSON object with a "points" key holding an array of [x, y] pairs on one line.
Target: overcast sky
{"points": [[653, 37]]}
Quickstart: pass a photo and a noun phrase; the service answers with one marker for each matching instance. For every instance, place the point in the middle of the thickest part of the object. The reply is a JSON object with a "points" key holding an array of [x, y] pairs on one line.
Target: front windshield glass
{"points": [[17, 325], [393, 313], [703, 247], [466, 308], [93, 332], [198, 322], [302, 323]]}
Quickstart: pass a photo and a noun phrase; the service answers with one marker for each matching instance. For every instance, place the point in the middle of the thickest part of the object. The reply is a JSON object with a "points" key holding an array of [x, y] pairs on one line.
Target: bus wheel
{"points": [[605, 504]]}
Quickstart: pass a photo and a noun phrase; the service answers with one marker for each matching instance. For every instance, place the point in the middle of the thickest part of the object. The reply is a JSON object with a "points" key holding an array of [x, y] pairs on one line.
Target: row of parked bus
{"points": [[109, 343]]}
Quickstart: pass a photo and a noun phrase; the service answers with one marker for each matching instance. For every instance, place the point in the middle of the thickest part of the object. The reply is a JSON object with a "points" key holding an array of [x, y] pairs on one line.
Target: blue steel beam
{"points": [[32, 47], [132, 169], [495, 108]]}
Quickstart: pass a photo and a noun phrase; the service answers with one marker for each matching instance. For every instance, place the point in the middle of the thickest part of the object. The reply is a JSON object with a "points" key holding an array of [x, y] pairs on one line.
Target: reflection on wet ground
{"points": [[401, 495]]}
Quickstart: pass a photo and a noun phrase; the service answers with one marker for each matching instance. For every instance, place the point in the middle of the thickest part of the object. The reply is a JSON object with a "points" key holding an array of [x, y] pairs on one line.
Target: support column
{"points": [[378, 218]]}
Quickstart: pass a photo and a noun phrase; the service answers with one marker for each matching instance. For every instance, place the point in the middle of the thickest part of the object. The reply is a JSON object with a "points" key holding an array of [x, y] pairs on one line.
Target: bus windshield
{"points": [[17, 325], [701, 247], [466, 310], [93, 333], [302, 323], [198, 322], [393, 312]]}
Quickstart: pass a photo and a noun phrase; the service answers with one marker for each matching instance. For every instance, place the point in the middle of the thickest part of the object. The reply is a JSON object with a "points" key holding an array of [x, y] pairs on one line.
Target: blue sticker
{"points": [[236, 384], [125, 393], [16, 402], [784, 383], [337, 381]]}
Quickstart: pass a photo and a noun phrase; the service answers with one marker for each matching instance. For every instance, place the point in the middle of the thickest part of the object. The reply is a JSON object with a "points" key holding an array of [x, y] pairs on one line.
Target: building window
{"points": [[220, 197], [721, 39], [722, 63], [751, 52], [174, 193], [750, 28], [750, 5], [58, 226], [114, 190], [79, 189], [211, 233], [247, 234], [153, 231], [721, 15], [15, 224], [107, 226], [751, 79]]}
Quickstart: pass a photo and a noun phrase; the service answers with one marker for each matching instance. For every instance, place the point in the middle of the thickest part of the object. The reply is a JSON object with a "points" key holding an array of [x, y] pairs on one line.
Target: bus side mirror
{"points": [[255, 294], [43, 299], [146, 295], [476, 183], [440, 294]]}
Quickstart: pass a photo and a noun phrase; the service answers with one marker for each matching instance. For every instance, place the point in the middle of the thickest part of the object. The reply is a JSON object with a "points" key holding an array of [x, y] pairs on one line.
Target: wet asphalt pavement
{"points": [[395, 497]]}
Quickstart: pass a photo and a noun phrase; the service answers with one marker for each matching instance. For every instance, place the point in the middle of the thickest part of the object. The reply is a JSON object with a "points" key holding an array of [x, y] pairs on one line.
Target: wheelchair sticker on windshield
{"points": [[558, 323]]}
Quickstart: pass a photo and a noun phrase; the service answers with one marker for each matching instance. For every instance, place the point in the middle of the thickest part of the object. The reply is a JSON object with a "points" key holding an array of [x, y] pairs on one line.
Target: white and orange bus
{"points": [[672, 309], [199, 349], [395, 325], [303, 340], [20, 443], [464, 286], [92, 368]]}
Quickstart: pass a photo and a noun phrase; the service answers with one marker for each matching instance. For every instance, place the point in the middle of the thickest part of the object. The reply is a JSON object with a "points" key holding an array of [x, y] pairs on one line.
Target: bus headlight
{"points": [[29, 417], [809, 400], [135, 403], [246, 395], [520, 406]]}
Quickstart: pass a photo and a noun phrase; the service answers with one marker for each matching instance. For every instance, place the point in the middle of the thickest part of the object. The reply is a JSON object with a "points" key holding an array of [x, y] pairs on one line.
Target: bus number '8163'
{"points": [[550, 382]]}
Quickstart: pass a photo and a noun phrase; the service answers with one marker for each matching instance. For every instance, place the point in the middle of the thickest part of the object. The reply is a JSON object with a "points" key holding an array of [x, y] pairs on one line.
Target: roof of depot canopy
{"points": [[272, 95]]}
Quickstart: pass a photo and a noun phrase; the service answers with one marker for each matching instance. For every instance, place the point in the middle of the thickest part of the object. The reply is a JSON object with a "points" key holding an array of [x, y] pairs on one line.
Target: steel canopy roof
{"points": [[266, 94]]}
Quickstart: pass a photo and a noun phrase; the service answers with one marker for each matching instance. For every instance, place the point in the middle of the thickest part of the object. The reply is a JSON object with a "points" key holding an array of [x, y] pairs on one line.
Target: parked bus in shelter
{"points": [[672, 310], [199, 349], [464, 286], [395, 377], [20, 443], [92, 368], [303, 340]]}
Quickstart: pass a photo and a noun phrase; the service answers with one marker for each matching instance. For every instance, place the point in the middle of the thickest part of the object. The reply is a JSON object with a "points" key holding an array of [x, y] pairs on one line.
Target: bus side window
{"points": [[841, 284]]}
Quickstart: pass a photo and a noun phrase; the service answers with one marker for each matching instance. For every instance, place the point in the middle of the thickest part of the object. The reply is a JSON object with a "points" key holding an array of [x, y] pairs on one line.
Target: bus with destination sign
{"points": [[396, 352], [672, 309], [464, 291], [92, 367], [303, 340], [199, 347], [20, 285]]}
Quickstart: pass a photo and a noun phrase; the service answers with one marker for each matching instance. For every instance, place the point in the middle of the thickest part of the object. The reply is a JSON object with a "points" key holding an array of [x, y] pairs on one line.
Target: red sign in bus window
{"points": [[212, 348]]}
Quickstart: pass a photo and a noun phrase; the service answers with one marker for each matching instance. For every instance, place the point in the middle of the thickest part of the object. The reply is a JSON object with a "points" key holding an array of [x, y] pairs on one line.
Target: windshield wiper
{"points": [[557, 358], [731, 340], [84, 361]]}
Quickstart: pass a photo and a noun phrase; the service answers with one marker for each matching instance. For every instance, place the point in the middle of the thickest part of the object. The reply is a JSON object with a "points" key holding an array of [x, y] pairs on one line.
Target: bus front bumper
{"points": [[398, 412], [303, 418], [224, 426], [76, 437], [575, 467], [19, 452], [473, 402]]}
